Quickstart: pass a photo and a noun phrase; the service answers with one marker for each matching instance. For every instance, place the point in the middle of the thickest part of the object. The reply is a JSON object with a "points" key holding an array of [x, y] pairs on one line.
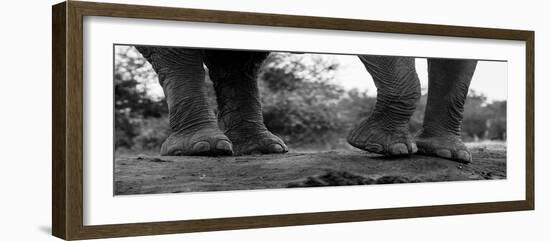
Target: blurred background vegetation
{"points": [[301, 104]]}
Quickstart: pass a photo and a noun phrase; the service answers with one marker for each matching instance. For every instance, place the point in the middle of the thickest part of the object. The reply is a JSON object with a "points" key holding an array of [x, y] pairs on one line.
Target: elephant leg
{"points": [[240, 112], [386, 130], [448, 83], [192, 121]]}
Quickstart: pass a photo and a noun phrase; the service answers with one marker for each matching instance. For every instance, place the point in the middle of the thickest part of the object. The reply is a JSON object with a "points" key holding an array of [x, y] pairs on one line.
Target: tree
{"points": [[132, 104], [497, 124], [299, 101]]}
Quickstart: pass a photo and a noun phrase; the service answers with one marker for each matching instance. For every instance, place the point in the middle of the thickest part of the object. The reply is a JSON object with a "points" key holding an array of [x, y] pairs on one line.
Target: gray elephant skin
{"points": [[239, 128]]}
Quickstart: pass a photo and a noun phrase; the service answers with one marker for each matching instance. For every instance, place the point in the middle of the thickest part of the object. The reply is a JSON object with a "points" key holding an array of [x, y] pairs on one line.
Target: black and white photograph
{"points": [[270, 120], [197, 120]]}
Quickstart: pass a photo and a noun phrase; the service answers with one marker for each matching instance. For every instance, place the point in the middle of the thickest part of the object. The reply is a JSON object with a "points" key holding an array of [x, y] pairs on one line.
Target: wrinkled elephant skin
{"points": [[196, 130]]}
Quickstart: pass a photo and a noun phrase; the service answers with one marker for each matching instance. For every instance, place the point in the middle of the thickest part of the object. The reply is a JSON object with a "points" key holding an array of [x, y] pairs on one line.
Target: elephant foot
{"points": [[204, 142], [375, 136], [446, 146], [261, 142]]}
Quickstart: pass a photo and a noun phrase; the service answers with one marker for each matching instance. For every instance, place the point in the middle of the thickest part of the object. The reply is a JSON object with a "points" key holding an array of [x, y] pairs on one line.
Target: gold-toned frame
{"points": [[67, 138]]}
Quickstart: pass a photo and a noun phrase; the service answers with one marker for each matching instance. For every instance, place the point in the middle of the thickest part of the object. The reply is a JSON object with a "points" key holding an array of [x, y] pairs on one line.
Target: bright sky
{"points": [[490, 77]]}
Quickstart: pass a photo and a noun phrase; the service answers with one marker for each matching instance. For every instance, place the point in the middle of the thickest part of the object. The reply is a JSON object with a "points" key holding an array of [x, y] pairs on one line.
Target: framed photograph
{"points": [[172, 120]]}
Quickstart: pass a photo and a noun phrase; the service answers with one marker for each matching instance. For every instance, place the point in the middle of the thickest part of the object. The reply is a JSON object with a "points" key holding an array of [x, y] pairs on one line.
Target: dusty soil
{"points": [[153, 174]]}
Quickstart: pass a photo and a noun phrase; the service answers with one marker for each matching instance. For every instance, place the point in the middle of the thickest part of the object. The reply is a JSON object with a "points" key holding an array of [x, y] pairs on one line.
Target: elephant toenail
{"points": [[464, 156], [399, 149], [223, 145], [201, 146], [414, 148], [373, 147], [443, 153], [276, 148]]}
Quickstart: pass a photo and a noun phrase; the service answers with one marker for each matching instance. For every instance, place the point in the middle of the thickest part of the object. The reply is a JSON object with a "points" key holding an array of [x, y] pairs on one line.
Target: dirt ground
{"points": [[154, 174]]}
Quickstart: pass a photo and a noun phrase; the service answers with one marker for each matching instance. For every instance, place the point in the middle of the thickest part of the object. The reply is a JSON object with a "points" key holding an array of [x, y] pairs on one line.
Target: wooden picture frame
{"points": [[67, 156]]}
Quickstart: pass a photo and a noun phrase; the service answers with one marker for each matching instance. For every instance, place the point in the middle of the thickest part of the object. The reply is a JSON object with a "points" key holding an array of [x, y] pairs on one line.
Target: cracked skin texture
{"points": [[239, 128], [234, 74], [386, 131], [448, 83], [193, 123], [195, 129]]}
